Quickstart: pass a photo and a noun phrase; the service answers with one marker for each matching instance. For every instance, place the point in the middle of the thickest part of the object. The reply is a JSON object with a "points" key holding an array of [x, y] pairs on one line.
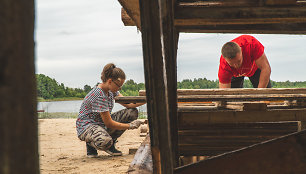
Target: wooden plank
{"points": [[132, 9], [213, 139], [157, 106], [196, 118], [235, 91], [282, 28], [229, 15], [245, 128], [285, 155], [203, 98], [18, 113], [277, 20], [280, 2]]}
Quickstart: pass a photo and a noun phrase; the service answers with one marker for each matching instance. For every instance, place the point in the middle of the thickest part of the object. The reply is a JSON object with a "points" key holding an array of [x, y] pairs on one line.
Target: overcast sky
{"points": [[76, 38]]}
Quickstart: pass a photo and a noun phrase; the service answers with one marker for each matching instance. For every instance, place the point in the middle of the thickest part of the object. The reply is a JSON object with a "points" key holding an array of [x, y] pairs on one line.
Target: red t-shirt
{"points": [[251, 49]]}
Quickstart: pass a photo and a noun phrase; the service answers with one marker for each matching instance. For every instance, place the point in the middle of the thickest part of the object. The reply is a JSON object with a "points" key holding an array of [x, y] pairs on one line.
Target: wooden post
{"points": [[170, 42], [156, 93], [18, 117]]}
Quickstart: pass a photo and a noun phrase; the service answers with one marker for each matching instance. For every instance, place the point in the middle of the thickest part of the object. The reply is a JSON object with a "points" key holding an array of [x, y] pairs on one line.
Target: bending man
{"points": [[244, 57]]}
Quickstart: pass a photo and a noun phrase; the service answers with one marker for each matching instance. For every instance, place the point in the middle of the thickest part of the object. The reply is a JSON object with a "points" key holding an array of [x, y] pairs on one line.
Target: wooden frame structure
{"points": [[160, 22]]}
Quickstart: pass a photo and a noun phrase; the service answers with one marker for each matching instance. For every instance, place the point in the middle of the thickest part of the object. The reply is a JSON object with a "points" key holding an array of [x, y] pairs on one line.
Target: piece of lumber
{"points": [[126, 19], [156, 83], [18, 113], [235, 91], [283, 155], [278, 2], [247, 106], [194, 118], [131, 7], [213, 139], [204, 98], [245, 128], [169, 39]]}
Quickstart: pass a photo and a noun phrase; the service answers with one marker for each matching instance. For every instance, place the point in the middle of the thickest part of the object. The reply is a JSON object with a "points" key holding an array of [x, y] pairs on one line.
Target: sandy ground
{"points": [[61, 151]]}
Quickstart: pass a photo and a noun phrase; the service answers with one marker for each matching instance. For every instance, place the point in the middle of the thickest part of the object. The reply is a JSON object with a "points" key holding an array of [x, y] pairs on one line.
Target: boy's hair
{"points": [[110, 71], [230, 50]]}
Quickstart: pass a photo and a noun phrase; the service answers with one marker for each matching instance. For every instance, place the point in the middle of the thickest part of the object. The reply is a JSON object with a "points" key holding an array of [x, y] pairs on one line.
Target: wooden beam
{"points": [[170, 42], [278, 20], [204, 98], [157, 105], [213, 139], [132, 9], [126, 19], [18, 116], [280, 2], [235, 91], [195, 118], [282, 155]]}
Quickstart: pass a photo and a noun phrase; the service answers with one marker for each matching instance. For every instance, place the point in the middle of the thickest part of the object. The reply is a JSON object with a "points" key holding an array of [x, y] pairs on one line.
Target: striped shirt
{"points": [[95, 101]]}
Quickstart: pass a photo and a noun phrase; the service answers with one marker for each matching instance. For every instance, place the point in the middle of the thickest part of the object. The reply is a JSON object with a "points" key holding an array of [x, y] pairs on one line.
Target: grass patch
{"points": [[47, 115], [142, 115], [40, 99]]}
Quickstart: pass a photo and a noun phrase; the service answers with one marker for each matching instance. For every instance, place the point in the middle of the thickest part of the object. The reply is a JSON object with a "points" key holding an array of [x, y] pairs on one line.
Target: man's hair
{"points": [[230, 50]]}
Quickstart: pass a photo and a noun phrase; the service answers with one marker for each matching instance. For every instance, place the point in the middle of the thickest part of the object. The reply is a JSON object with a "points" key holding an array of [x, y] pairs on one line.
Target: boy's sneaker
{"points": [[113, 151], [91, 152]]}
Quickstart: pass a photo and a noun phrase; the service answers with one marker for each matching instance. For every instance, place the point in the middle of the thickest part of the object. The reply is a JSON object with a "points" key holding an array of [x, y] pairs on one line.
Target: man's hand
{"points": [[135, 124]]}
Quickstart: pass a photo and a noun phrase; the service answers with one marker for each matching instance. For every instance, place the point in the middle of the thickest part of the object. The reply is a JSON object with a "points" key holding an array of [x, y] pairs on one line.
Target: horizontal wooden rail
{"points": [[235, 91], [197, 118], [214, 139], [203, 98], [281, 155]]}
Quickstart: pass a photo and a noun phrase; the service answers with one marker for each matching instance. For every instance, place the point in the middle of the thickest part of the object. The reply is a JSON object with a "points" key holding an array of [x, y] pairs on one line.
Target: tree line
{"points": [[48, 88]]}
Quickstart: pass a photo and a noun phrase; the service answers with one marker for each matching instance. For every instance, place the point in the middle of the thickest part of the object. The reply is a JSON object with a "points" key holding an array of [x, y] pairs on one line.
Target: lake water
{"points": [[74, 106]]}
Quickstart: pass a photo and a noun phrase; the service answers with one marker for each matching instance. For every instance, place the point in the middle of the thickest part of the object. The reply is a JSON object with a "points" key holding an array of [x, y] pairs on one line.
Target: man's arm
{"points": [[263, 64], [224, 85]]}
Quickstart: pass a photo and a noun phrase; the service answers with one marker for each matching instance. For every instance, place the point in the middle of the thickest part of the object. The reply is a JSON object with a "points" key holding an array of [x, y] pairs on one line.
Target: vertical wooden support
{"points": [[156, 88], [170, 43], [18, 117]]}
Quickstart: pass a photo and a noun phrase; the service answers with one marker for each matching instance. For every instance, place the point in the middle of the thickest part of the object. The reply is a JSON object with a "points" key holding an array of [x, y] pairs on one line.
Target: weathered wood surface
{"points": [[155, 78], [18, 112], [131, 7], [241, 3], [126, 19], [235, 91], [194, 118], [283, 155], [170, 42], [214, 139], [203, 98], [270, 16]]}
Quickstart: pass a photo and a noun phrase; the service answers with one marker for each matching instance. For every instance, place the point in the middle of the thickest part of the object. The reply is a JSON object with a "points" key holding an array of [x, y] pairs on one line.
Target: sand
{"points": [[60, 151]]}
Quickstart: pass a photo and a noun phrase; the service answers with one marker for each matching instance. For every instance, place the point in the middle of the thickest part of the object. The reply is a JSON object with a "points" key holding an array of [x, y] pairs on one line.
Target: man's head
{"points": [[231, 52]]}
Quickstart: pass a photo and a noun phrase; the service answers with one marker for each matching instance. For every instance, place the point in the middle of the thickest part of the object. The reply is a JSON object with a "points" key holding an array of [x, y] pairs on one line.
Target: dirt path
{"points": [[60, 150]]}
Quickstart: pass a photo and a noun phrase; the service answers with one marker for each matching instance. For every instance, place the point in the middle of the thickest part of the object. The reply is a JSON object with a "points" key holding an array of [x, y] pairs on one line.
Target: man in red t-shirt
{"points": [[244, 56]]}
